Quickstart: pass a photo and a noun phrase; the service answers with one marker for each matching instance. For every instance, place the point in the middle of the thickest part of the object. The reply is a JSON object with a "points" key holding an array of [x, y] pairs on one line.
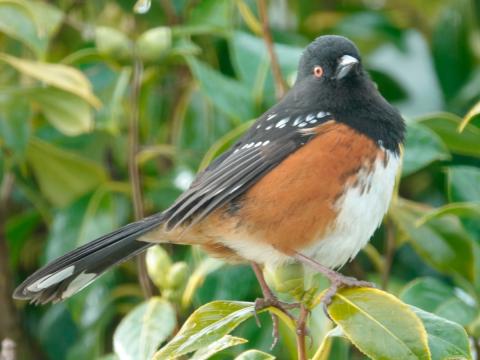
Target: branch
{"points": [[302, 332], [133, 169], [280, 84]]}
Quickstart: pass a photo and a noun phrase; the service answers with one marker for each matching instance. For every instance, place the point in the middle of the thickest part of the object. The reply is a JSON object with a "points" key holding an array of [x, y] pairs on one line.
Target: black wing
{"points": [[270, 140]]}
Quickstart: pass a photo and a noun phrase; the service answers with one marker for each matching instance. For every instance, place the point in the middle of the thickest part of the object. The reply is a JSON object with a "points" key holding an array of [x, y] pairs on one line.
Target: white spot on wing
{"points": [[282, 123], [266, 142], [271, 116], [51, 279], [297, 121], [81, 281]]}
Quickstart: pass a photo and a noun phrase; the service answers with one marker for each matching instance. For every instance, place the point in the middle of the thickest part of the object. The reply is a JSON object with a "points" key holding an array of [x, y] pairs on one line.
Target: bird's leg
{"points": [[269, 299], [337, 280]]}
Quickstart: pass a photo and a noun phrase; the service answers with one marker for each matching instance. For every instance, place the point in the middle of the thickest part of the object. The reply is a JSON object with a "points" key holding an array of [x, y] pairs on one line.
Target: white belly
{"points": [[361, 210]]}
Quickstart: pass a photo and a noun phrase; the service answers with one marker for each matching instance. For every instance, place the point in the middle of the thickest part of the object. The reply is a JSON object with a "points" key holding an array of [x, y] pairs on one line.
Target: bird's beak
{"points": [[345, 65]]}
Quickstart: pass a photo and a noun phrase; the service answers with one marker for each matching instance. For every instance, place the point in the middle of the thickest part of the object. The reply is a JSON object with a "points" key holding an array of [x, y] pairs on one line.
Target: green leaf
{"points": [[32, 23], [252, 63], [62, 175], [446, 339], [464, 183], [144, 328], [217, 346], [206, 325], [206, 266], [365, 316], [452, 52], [68, 113], [472, 113], [60, 76], [234, 99], [446, 125], [84, 220], [15, 126], [463, 210], [438, 298], [422, 147], [443, 243], [212, 13], [254, 355]]}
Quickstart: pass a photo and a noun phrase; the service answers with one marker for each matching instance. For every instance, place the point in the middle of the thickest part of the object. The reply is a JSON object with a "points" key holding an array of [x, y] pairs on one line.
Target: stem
{"points": [[169, 12], [302, 332], [280, 85], [389, 252], [133, 169]]}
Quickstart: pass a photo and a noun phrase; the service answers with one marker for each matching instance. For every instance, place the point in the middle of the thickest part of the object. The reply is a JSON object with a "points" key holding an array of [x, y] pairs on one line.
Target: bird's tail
{"points": [[72, 272]]}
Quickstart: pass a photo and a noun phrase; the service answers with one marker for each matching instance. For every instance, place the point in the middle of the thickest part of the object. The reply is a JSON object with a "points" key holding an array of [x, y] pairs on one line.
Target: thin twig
{"points": [[302, 332], [389, 252], [280, 84], [169, 10], [133, 169]]}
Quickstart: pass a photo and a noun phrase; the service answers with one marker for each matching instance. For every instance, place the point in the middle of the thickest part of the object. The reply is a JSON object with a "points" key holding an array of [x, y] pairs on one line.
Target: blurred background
{"points": [[108, 109]]}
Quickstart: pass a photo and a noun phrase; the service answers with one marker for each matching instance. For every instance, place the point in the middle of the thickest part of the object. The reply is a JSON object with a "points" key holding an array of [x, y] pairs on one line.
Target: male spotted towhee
{"points": [[309, 182]]}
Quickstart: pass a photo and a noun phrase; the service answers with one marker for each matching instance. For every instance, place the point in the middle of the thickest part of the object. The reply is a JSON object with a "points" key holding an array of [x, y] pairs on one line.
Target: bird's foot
{"points": [[337, 282], [272, 301]]}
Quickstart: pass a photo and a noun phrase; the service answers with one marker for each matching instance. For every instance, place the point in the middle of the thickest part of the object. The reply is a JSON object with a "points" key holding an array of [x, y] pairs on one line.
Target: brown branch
{"points": [[170, 13], [389, 252], [133, 169], [302, 332], [280, 84]]}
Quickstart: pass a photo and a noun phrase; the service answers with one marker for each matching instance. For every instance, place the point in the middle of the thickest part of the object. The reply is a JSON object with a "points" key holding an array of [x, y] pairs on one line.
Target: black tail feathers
{"points": [[72, 272]]}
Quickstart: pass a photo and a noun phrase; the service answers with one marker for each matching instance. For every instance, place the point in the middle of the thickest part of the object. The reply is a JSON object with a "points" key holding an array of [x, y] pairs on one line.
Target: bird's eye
{"points": [[318, 71]]}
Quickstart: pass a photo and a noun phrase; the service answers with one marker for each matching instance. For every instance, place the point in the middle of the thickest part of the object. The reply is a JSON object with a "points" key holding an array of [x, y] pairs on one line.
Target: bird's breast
{"points": [[325, 200]]}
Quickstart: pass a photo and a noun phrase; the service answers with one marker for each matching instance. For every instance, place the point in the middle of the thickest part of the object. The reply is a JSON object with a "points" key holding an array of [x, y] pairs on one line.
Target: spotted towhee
{"points": [[309, 182]]}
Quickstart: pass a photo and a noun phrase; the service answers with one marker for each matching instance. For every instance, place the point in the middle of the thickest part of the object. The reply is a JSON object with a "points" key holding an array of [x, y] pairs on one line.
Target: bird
{"points": [[309, 182]]}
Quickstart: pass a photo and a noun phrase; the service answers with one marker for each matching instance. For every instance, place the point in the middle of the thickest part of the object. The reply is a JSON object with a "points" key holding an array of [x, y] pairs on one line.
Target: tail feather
{"points": [[73, 271]]}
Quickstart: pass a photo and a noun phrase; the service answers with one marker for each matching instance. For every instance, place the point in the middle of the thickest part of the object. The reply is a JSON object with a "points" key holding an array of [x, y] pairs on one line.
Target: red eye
{"points": [[318, 71]]}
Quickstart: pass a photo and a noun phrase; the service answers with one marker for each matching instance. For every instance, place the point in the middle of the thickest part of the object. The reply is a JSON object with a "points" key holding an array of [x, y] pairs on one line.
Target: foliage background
{"points": [[72, 138]]}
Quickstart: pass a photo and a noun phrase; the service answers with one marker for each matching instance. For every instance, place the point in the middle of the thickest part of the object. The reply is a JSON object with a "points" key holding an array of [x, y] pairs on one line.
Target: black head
{"points": [[331, 78], [330, 59]]}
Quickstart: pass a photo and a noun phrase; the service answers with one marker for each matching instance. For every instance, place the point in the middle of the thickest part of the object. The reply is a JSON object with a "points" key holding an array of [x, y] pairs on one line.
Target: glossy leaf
{"points": [[446, 339], [470, 210], [252, 62], [224, 343], [32, 23], [472, 113], [234, 99], [69, 113], [57, 75], [365, 316], [254, 355], [438, 298], [446, 127], [443, 243], [84, 220], [15, 127], [422, 147], [206, 266], [143, 329], [451, 48], [62, 175], [207, 324], [464, 183]]}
